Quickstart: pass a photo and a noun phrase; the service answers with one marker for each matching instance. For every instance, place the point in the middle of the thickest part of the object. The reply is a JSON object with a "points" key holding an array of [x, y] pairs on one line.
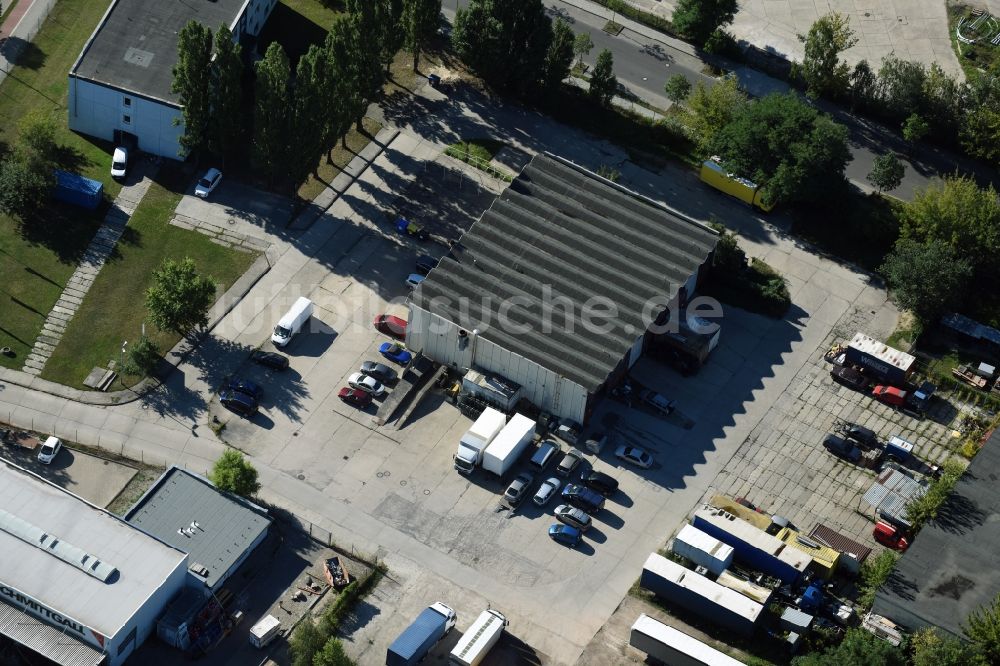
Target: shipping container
{"points": [[753, 546], [880, 360], [674, 647], [480, 638], [700, 595], [824, 559], [411, 646], [852, 553], [758, 593], [703, 549], [74, 189]]}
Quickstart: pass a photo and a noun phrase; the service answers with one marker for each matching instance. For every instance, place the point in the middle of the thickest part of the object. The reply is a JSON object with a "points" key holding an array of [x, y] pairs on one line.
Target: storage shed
{"points": [[702, 549]]}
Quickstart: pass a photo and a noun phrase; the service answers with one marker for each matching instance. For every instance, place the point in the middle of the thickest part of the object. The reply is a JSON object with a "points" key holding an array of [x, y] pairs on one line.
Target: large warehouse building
{"points": [[555, 287], [78, 585], [119, 87], [949, 570]]}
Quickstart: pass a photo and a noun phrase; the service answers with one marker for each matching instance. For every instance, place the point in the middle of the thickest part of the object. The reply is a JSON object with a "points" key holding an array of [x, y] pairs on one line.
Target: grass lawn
{"points": [[972, 57], [326, 171], [114, 309]]}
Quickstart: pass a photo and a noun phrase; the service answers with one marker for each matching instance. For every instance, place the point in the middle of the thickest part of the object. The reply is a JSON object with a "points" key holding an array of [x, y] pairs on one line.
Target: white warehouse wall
{"points": [[438, 339], [98, 111]]}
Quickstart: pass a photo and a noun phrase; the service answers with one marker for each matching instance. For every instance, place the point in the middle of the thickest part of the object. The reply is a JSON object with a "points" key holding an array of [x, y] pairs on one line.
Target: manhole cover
{"points": [[300, 477], [427, 492], [402, 483], [232, 220]]}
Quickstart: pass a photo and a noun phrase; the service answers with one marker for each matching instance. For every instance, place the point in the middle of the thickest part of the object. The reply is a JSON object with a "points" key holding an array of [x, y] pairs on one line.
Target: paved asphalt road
{"points": [[644, 59]]}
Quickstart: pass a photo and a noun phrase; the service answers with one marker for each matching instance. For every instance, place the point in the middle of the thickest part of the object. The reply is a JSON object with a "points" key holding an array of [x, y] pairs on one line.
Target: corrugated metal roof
{"points": [[217, 527], [560, 234], [971, 327], [839, 542], [45, 639]]}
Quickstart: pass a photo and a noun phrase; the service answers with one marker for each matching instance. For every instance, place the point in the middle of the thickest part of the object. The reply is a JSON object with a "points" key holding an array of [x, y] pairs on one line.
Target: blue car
{"points": [[239, 402], [245, 386], [564, 534], [395, 353]]}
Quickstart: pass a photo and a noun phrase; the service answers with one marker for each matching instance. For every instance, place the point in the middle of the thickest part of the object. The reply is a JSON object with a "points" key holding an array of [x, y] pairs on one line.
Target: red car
{"points": [[890, 536], [890, 395], [392, 326], [356, 397]]}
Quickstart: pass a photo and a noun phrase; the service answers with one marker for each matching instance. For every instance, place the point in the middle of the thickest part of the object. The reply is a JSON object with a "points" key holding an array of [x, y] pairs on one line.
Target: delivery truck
{"points": [[265, 631], [714, 174], [416, 641], [476, 439], [509, 444], [477, 642]]}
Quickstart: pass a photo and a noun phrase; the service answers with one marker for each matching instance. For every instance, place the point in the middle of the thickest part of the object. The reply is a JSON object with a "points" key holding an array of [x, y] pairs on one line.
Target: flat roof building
{"points": [[218, 530], [121, 83], [78, 584], [949, 570], [556, 285]]}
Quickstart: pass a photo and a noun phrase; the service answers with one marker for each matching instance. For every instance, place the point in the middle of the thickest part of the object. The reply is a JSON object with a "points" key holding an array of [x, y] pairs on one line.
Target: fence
{"points": [[13, 45]]}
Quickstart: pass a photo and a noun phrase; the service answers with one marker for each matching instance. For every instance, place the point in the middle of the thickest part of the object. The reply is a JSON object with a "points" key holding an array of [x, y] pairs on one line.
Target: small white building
{"points": [[119, 87], [555, 288]]}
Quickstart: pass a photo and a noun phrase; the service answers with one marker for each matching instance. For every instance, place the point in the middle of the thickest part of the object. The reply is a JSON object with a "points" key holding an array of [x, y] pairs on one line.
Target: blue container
{"points": [[417, 640], [74, 189]]}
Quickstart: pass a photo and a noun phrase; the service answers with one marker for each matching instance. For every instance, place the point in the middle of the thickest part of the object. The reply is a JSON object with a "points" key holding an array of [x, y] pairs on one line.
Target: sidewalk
{"points": [[19, 28]]}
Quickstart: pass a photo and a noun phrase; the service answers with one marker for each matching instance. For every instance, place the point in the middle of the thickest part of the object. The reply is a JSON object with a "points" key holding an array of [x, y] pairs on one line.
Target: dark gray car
{"points": [[839, 446], [379, 371]]}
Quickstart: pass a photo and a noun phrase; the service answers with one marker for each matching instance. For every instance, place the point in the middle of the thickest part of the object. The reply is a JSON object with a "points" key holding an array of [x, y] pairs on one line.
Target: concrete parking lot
{"points": [[97, 480]]}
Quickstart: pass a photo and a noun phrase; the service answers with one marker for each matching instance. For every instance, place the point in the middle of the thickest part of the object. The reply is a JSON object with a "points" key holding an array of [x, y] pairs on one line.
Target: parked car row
{"points": [[241, 396]]}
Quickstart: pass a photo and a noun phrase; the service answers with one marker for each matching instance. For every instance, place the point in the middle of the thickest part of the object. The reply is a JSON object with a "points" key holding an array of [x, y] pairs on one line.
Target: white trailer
{"points": [[674, 647], [508, 446], [476, 438], [477, 642], [702, 549], [265, 631]]}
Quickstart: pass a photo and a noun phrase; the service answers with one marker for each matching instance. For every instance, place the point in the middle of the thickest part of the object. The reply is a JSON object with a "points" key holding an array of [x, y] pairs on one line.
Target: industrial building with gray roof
{"points": [[950, 571], [217, 530], [560, 250]]}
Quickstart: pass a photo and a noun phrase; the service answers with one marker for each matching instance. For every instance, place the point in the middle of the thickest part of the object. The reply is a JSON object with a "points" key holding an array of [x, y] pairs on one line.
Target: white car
{"points": [[366, 383], [636, 455], [49, 450], [548, 488], [119, 162], [208, 183]]}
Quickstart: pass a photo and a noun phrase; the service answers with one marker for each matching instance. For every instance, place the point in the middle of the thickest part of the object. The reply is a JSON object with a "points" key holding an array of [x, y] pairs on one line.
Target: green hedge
{"points": [[639, 16]]}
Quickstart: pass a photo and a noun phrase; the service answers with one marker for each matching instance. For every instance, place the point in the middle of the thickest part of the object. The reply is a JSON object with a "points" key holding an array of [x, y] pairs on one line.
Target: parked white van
{"points": [[292, 322]]}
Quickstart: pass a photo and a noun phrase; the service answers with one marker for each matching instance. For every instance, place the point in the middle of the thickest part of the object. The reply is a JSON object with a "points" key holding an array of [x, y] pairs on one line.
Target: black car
{"points": [[239, 402], [379, 371], [839, 446], [425, 264], [271, 360], [603, 483], [849, 377], [860, 434], [252, 389]]}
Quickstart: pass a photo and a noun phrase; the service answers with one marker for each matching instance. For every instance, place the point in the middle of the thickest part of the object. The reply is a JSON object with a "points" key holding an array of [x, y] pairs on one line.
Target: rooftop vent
{"points": [[68, 553]]}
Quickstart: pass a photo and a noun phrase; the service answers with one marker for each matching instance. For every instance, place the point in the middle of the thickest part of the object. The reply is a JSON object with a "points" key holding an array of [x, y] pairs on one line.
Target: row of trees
{"points": [[27, 172], [920, 99], [297, 115]]}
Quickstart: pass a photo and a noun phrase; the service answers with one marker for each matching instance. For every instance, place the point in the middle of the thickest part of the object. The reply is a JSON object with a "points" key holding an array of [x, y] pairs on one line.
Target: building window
{"points": [[127, 101], [127, 119]]}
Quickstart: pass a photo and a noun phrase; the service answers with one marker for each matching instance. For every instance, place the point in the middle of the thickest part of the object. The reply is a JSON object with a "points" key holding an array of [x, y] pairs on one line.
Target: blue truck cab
{"points": [[416, 641]]}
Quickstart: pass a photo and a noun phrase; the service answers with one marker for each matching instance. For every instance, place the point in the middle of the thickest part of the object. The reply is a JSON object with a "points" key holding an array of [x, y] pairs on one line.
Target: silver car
{"points": [[573, 517], [366, 383], [545, 492]]}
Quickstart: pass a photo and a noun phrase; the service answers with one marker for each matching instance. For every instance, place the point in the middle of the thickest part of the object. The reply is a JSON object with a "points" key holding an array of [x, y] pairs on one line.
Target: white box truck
{"points": [[265, 631], [477, 642], [292, 322], [507, 447], [476, 438]]}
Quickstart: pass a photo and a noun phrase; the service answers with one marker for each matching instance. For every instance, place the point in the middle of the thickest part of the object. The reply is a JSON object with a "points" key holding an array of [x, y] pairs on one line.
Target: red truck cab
{"points": [[890, 395], [889, 536]]}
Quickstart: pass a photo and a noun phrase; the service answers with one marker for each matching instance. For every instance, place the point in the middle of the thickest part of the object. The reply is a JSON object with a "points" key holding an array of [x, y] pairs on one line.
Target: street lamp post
{"points": [[121, 362]]}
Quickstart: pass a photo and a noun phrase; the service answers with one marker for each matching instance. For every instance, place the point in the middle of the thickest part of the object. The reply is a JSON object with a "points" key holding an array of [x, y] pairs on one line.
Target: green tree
{"points": [[179, 298], [678, 88], [864, 84], [915, 128], [887, 172], [504, 42], [306, 642], [582, 45], [142, 357], [37, 140], [714, 108], [272, 120], [957, 213], [979, 130], [603, 83], [332, 654], [389, 17], [420, 23], [559, 58], [785, 144], [309, 112], [24, 188], [931, 648], [345, 100], [192, 75], [983, 629], [234, 474], [698, 19], [874, 572], [858, 648], [226, 95], [926, 507], [822, 69], [927, 278], [901, 86], [365, 53]]}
